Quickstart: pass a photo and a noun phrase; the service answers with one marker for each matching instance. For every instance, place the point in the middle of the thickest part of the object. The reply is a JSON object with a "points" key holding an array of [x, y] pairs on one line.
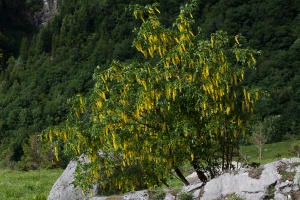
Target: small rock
{"points": [[192, 178], [196, 193], [279, 196], [285, 187], [295, 187], [99, 198], [138, 195], [169, 197]]}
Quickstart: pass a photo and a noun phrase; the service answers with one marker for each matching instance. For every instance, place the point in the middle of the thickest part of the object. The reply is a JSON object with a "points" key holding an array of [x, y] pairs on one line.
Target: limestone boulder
{"points": [[63, 188], [262, 183]]}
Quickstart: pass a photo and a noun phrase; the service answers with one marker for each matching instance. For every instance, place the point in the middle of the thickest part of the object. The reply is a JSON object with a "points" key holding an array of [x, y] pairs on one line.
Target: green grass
{"points": [[31, 185], [270, 152]]}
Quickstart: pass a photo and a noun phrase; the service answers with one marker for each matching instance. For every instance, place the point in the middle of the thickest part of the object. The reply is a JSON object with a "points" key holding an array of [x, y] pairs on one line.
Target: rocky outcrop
{"points": [[277, 180], [49, 9]]}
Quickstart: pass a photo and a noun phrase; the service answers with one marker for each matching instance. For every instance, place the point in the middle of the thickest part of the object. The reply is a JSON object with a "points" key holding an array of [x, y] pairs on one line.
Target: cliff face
{"points": [[49, 9]]}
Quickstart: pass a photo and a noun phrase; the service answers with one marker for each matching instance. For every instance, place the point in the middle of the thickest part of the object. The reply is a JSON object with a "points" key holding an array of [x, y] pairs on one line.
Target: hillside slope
{"points": [[58, 62]]}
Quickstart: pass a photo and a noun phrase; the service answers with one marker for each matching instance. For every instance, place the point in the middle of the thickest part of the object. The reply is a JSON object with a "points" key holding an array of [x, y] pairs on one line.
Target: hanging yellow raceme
{"points": [[102, 94]]}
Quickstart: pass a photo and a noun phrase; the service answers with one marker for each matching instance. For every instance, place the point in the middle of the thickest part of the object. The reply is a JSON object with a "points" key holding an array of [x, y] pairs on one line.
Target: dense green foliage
{"points": [[58, 62], [15, 23], [273, 27]]}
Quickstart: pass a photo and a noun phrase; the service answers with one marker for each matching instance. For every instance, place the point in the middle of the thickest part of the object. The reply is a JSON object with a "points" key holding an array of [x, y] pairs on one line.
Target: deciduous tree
{"points": [[185, 103], [258, 138]]}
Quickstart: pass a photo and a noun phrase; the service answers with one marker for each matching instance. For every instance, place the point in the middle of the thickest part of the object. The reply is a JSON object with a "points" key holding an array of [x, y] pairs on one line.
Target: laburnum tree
{"points": [[184, 104]]}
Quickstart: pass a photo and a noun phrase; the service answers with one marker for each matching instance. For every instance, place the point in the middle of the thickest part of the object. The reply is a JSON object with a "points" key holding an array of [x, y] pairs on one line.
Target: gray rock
{"points": [[295, 187], [246, 187], [192, 178], [169, 197], [196, 193], [279, 196], [138, 195], [63, 188], [285, 187], [192, 186]]}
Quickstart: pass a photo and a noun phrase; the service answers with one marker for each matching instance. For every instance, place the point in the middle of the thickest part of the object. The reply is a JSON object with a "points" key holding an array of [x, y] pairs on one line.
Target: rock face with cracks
{"points": [[277, 180]]}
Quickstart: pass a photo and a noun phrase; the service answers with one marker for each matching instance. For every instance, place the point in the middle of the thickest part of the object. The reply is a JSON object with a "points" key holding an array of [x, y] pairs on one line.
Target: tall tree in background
{"points": [[185, 104]]}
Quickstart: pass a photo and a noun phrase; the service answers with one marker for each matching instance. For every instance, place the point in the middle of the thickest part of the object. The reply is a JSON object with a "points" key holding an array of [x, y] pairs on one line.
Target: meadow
{"points": [[27, 185], [270, 152]]}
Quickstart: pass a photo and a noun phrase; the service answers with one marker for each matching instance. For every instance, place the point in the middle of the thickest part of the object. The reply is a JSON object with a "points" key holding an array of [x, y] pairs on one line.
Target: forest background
{"points": [[42, 67]]}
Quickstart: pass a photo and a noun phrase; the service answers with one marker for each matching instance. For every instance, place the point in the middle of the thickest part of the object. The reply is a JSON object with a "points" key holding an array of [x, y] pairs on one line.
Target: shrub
{"points": [[186, 196], [6, 161], [295, 149], [37, 155], [157, 194]]}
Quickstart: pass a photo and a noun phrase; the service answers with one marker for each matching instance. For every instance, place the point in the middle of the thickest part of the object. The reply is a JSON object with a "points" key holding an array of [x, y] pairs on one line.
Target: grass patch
{"points": [[230, 197], [295, 164], [31, 185], [287, 171], [271, 191], [157, 194], [175, 186], [235, 197], [270, 152], [285, 175], [186, 196]]}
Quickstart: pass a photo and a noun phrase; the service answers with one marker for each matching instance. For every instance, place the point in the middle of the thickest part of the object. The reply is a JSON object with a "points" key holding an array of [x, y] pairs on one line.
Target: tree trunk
{"points": [[259, 152], [212, 173], [181, 176], [201, 176], [200, 173], [178, 172], [223, 155]]}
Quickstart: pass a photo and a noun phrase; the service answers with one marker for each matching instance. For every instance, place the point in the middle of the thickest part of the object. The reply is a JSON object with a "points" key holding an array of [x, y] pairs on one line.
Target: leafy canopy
{"points": [[144, 120]]}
